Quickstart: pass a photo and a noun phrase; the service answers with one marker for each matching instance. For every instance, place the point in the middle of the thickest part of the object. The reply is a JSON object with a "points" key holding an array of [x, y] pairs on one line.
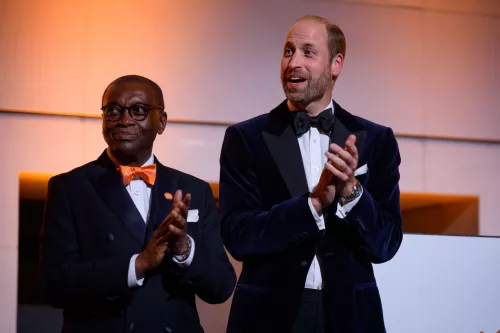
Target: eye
{"points": [[139, 109], [113, 109], [309, 53], [287, 52]]}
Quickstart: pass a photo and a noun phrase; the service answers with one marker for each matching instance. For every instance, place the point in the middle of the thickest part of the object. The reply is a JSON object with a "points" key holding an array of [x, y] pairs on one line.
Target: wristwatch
{"points": [[356, 193], [183, 257]]}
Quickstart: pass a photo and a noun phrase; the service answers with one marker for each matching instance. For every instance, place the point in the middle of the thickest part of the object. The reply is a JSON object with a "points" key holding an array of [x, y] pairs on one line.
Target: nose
{"points": [[125, 117], [295, 61]]}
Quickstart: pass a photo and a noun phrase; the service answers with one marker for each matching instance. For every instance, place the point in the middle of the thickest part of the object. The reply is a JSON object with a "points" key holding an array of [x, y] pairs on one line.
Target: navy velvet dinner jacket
{"points": [[268, 225]]}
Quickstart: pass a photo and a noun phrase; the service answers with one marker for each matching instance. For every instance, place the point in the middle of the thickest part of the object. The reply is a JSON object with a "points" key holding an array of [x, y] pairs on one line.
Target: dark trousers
{"points": [[311, 317]]}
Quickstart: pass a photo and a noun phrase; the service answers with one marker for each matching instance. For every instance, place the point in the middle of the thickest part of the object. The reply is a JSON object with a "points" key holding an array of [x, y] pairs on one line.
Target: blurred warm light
{"points": [[33, 186], [422, 212], [413, 201]]}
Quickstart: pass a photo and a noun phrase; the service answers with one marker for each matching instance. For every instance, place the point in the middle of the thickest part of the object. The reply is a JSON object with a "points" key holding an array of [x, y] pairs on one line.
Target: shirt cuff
{"points": [[187, 262], [320, 220], [132, 278], [342, 211]]}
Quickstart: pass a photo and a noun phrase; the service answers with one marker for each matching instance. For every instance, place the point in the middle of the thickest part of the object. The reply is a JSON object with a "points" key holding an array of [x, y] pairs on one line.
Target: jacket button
{"points": [[168, 329], [131, 327], [303, 263], [111, 237]]}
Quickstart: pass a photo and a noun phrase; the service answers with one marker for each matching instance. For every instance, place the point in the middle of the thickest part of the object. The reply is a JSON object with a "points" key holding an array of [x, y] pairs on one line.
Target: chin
{"points": [[124, 148], [296, 98]]}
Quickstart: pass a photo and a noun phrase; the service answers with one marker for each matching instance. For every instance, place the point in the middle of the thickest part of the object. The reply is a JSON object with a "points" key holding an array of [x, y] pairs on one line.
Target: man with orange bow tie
{"points": [[122, 249]]}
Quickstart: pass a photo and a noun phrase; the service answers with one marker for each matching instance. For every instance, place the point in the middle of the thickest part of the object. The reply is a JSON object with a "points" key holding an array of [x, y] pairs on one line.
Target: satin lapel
{"points": [[345, 124], [109, 185], [284, 147], [160, 205]]}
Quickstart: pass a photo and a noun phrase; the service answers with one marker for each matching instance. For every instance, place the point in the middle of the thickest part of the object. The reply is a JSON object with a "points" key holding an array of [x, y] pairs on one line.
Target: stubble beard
{"points": [[314, 89]]}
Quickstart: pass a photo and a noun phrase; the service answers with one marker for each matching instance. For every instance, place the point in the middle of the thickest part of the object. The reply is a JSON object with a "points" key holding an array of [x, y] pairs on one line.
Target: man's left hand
{"points": [[345, 161], [177, 237]]}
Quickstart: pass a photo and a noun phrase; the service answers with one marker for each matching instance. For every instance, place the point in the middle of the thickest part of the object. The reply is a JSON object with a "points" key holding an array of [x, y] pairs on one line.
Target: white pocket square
{"points": [[193, 215], [361, 170]]}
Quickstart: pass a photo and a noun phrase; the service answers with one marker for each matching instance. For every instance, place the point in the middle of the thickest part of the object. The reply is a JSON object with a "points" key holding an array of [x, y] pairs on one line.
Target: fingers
{"points": [[177, 196], [182, 203], [175, 232], [336, 172], [350, 146], [338, 163], [349, 155], [177, 217]]}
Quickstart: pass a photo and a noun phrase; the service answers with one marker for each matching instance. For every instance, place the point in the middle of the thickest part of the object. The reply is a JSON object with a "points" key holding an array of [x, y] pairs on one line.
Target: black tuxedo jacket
{"points": [[90, 231], [267, 224]]}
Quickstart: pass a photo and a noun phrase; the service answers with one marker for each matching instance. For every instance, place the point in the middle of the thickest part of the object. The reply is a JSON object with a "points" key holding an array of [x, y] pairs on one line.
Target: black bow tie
{"points": [[302, 122]]}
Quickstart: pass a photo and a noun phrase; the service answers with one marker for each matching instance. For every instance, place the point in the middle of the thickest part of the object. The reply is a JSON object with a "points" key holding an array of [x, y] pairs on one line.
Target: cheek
{"points": [[284, 65], [105, 129]]}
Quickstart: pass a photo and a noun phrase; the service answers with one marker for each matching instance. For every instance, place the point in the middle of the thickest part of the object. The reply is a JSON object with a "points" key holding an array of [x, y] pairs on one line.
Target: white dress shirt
{"points": [[313, 146], [140, 192]]}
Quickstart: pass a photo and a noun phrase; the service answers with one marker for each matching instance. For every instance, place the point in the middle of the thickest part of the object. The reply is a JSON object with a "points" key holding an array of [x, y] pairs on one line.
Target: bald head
{"points": [[335, 36], [136, 79]]}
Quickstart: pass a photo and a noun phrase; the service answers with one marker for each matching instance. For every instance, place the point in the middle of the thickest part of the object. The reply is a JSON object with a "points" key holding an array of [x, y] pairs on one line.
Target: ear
{"points": [[163, 122], [337, 65]]}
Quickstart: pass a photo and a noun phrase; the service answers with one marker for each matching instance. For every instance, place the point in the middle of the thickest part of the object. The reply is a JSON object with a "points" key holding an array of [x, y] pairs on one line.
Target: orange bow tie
{"points": [[146, 173]]}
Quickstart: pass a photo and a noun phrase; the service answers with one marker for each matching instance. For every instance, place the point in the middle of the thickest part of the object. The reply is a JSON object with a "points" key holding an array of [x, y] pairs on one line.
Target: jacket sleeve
{"points": [[65, 279], [249, 228], [374, 225], [210, 275]]}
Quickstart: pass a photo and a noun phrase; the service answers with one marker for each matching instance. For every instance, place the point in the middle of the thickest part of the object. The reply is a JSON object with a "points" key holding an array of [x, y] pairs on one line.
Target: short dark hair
{"points": [[137, 79], [336, 38]]}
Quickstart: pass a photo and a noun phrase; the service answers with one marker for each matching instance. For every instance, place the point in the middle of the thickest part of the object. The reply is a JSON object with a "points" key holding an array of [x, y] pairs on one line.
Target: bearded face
{"points": [[307, 72]]}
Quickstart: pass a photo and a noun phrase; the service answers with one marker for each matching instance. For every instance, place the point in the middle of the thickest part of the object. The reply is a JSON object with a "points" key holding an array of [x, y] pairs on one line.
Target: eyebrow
{"points": [[303, 46], [309, 45]]}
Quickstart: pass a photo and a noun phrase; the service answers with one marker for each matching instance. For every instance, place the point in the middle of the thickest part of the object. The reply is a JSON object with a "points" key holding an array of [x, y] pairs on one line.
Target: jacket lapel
{"points": [[284, 147], [345, 124], [160, 204], [109, 185]]}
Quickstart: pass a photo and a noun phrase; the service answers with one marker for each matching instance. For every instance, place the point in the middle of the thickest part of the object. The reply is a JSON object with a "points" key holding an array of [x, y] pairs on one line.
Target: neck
{"points": [[119, 158], [313, 108]]}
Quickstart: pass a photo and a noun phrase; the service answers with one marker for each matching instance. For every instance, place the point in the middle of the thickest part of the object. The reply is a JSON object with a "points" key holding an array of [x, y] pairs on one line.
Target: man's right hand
{"points": [[324, 193], [152, 256]]}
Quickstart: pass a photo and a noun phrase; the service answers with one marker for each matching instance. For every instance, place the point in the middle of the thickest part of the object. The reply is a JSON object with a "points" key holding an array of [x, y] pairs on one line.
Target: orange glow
{"points": [[422, 212]]}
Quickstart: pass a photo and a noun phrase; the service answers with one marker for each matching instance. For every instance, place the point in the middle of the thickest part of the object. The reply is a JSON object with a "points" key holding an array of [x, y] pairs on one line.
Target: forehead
{"points": [[308, 32], [128, 92]]}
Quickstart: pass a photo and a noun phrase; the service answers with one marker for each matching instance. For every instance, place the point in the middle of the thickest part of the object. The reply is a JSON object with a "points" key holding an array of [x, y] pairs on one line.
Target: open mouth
{"points": [[295, 81]]}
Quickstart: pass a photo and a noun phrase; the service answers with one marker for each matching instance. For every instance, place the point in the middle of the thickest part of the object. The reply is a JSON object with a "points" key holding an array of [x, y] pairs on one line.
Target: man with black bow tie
{"points": [[309, 199], [122, 249]]}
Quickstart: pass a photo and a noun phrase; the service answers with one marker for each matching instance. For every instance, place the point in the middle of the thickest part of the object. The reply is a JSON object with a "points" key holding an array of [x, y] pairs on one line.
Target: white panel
{"points": [[466, 168], [441, 284], [383, 69], [42, 59], [34, 144], [485, 7], [412, 165], [462, 75], [216, 60], [194, 149], [94, 143], [8, 293]]}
